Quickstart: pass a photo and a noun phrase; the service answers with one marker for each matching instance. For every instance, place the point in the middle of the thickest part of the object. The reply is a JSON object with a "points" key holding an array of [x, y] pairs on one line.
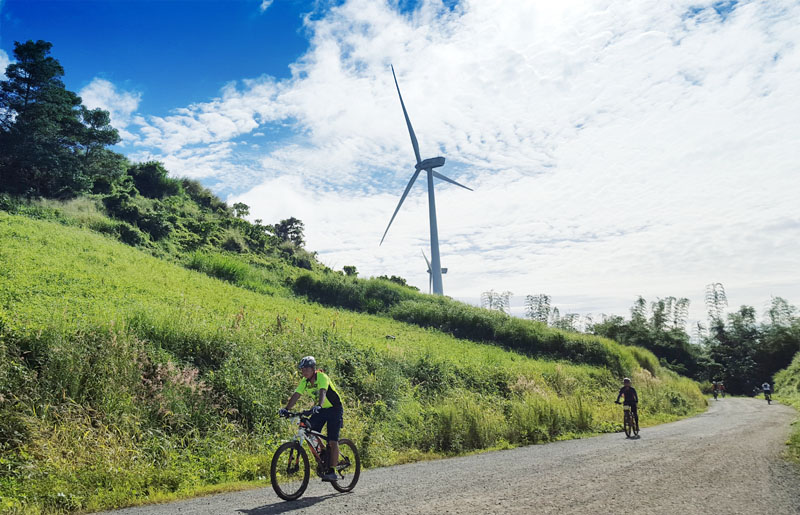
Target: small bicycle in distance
{"points": [[289, 471]]}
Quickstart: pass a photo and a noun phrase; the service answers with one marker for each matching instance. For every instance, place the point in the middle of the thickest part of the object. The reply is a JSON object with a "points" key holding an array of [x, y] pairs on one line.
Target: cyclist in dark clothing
{"points": [[631, 398]]}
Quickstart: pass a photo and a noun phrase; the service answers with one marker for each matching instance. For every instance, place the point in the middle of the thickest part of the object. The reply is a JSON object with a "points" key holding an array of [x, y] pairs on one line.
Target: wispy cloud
{"points": [[616, 150], [121, 105], [265, 5]]}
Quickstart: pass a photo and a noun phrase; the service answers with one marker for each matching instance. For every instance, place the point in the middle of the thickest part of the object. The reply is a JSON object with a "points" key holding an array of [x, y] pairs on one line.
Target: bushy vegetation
{"points": [[465, 321], [735, 348], [787, 390], [124, 377]]}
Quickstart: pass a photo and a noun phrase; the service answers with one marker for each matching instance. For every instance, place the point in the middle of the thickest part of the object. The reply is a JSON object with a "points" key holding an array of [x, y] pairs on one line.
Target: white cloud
{"points": [[265, 5], [4, 62], [616, 150], [121, 105]]}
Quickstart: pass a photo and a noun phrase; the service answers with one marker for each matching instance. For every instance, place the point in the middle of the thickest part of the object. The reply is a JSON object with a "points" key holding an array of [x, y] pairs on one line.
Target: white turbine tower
{"points": [[430, 276], [435, 266]]}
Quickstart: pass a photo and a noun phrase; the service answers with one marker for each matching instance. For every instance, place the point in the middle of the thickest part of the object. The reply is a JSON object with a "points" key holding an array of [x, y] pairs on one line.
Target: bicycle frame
{"points": [[304, 433]]}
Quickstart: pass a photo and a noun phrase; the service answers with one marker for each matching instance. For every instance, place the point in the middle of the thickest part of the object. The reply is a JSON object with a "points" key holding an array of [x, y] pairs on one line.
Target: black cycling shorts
{"points": [[333, 416]]}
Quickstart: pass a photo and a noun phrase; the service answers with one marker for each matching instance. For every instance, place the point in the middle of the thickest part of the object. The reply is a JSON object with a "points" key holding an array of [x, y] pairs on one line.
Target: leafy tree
{"points": [[716, 301], [496, 301], [733, 346], [51, 145], [661, 331], [350, 271], [537, 307], [241, 210], [568, 322], [152, 181], [291, 230], [780, 338]]}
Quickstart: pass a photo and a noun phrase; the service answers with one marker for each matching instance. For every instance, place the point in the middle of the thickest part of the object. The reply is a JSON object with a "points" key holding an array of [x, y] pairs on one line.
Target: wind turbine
{"points": [[430, 276], [435, 266]]}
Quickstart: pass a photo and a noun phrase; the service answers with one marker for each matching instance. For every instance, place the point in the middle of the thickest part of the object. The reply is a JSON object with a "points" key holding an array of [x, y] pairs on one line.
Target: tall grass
{"points": [[125, 378], [219, 266], [787, 390], [470, 322]]}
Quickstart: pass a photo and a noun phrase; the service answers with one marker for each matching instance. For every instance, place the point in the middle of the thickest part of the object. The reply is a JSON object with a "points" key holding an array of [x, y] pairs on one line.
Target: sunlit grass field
{"points": [[125, 378]]}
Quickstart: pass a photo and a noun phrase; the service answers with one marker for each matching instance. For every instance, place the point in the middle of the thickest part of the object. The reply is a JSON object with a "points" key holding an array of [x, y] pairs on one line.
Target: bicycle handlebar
{"points": [[290, 414]]}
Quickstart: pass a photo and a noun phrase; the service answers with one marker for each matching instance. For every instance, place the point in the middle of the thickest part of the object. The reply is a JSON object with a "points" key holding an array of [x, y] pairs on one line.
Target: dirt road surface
{"points": [[725, 461]]}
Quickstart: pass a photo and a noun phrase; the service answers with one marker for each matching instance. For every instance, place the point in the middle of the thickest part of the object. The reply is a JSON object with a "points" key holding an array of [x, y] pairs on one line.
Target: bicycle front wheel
{"points": [[349, 467], [626, 423], [289, 471]]}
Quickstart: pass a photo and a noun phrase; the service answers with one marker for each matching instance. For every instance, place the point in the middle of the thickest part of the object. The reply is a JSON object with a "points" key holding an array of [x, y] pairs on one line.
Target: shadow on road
{"points": [[288, 506]]}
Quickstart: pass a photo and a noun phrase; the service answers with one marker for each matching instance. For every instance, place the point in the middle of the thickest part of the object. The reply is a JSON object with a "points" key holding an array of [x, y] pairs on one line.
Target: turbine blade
{"points": [[408, 122], [426, 261], [405, 193], [451, 181]]}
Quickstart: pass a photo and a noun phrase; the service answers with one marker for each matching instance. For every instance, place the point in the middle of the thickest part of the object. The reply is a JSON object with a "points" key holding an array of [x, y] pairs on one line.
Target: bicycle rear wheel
{"points": [[635, 425], [349, 467], [289, 471], [626, 423]]}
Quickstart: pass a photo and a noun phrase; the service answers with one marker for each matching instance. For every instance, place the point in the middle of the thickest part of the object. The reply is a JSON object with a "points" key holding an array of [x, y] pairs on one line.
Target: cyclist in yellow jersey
{"points": [[327, 410]]}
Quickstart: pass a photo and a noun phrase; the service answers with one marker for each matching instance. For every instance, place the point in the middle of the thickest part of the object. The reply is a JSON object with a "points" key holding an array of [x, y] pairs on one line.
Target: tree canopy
{"points": [[50, 144]]}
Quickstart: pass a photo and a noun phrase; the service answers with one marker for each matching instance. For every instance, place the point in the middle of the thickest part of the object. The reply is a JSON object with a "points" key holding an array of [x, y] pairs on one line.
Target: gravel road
{"points": [[725, 461]]}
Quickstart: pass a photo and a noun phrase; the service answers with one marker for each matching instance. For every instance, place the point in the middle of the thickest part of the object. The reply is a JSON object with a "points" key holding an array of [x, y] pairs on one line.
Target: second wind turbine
{"points": [[428, 165]]}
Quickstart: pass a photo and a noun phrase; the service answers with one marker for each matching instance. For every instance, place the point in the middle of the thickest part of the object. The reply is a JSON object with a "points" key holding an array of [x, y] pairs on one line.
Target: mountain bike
{"points": [[768, 397], [629, 422], [289, 471], [715, 394]]}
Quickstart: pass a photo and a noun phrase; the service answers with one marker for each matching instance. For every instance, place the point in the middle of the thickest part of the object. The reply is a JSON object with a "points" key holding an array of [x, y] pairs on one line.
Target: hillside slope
{"points": [[125, 378], [787, 389]]}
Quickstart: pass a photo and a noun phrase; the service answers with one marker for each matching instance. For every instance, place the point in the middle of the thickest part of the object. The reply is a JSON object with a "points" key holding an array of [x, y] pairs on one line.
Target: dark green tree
{"points": [[241, 210], [291, 230], [50, 145], [662, 333], [734, 347], [152, 181]]}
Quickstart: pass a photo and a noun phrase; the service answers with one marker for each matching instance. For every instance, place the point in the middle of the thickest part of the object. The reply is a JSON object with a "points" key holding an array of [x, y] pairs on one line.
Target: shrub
{"points": [[233, 241], [130, 234], [151, 180]]}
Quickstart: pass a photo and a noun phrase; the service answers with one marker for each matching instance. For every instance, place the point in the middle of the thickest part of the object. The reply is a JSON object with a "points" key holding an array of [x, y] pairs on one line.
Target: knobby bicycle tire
{"points": [[635, 425], [289, 471], [349, 467]]}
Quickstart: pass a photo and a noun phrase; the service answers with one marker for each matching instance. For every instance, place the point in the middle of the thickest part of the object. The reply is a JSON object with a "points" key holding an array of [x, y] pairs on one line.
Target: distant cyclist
{"points": [[327, 410], [767, 392], [721, 388], [715, 389], [631, 398]]}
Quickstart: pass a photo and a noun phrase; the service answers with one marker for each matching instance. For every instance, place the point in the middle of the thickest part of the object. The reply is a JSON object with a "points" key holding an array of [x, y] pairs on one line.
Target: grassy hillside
{"points": [[125, 378], [787, 389]]}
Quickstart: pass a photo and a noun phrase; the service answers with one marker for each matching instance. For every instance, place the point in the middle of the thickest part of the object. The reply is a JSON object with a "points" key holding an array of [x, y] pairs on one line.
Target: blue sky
{"points": [[616, 148], [174, 52]]}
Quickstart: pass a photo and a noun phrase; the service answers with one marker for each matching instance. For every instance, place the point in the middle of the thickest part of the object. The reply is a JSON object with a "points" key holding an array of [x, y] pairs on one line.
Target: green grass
{"points": [[126, 379], [787, 391]]}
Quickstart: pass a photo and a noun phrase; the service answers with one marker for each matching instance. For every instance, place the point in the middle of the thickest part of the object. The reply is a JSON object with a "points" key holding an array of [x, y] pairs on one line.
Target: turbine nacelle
{"points": [[427, 164]]}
